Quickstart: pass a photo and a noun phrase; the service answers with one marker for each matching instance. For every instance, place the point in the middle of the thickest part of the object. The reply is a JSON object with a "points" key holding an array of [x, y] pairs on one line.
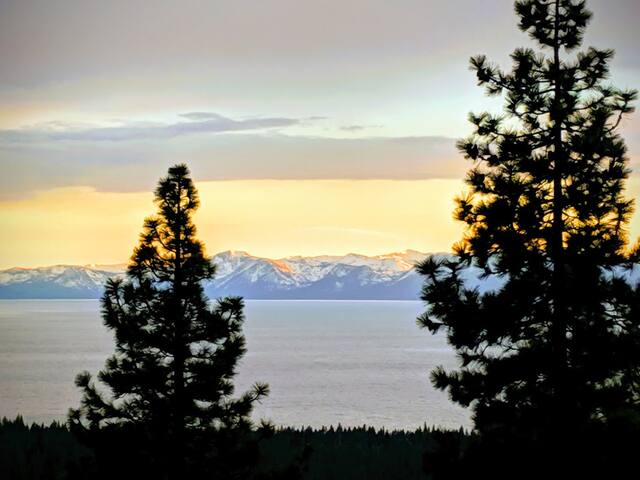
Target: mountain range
{"points": [[345, 277]]}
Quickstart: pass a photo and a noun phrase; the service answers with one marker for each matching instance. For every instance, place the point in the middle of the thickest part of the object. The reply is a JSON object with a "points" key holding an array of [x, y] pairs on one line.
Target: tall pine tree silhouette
{"points": [[167, 392], [554, 353]]}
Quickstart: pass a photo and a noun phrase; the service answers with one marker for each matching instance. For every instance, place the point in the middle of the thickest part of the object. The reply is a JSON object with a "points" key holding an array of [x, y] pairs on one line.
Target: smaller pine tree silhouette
{"points": [[165, 398]]}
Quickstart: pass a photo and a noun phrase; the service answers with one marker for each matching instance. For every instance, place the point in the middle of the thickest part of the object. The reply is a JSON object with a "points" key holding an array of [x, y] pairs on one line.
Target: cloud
{"points": [[39, 45], [201, 116], [198, 122], [128, 166], [357, 128]]}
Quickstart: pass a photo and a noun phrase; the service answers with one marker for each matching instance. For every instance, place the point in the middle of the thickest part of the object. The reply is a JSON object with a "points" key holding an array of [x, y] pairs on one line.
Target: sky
{"points": [[310, 127]]}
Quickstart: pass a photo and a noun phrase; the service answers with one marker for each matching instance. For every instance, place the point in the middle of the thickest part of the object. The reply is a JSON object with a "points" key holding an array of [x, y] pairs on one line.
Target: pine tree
{"points": [[554, 353], [165, 396]]}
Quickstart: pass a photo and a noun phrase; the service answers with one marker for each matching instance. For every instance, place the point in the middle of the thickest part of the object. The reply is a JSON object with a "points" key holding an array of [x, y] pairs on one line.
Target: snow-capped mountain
{"points": [[347, 277], [350, 276], [324, 277], [58, 281]]}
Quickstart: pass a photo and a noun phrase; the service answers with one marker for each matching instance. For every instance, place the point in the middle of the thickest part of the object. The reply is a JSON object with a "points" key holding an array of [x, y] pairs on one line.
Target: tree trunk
{"points": [[179, 359], [559, 375]]}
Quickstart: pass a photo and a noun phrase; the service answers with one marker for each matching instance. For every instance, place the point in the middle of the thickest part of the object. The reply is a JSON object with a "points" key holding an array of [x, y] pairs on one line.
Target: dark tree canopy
{"points": [[169, 384], [556, 348]]}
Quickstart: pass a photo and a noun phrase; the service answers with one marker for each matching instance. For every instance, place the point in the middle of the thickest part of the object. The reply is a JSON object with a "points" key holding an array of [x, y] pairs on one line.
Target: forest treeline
{"points": [[33, 452]]}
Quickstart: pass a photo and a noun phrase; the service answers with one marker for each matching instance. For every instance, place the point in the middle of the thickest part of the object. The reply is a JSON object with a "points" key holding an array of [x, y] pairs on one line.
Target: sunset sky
{"points": [[310, 127]]}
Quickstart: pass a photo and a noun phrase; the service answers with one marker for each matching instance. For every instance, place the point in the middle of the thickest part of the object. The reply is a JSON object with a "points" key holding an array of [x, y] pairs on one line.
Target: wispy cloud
{"points": [[195, 122], [201, 116], [357, 128]]}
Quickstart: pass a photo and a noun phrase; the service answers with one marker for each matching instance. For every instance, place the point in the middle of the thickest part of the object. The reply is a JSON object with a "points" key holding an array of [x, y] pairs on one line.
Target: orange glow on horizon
{"points": [[270, 218]]}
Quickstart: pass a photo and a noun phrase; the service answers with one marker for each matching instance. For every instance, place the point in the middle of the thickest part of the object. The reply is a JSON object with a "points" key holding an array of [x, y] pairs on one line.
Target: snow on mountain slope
{"points": [[239, 273], [350, 276], [58, 281]]}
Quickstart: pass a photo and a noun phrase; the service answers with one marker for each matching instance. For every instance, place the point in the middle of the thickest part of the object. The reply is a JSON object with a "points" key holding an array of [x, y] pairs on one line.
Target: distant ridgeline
{"points": [[352, 277], [348, 277]]}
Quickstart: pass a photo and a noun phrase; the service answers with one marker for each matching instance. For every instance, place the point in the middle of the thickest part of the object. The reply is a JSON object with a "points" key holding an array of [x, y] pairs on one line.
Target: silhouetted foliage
{"points": [[164, 402], [550, 361], [33, 452], [362, 453]]}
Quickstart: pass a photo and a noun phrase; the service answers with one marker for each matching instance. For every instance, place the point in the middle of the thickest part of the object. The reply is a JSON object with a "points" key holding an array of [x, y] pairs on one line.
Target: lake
{"points": [[327, 362]]}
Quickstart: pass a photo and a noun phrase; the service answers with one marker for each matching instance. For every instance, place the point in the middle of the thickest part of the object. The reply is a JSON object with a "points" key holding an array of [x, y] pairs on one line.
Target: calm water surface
{"points": [[327, 362]]}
